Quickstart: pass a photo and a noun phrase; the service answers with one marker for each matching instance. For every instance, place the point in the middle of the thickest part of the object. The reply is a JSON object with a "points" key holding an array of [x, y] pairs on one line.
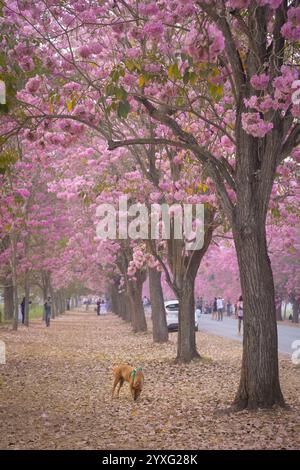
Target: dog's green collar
{"points": [[133, 373]]}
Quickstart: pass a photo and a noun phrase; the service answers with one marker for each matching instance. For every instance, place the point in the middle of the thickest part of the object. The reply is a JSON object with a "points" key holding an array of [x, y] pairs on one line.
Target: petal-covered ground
{"points": [[55, 392]]}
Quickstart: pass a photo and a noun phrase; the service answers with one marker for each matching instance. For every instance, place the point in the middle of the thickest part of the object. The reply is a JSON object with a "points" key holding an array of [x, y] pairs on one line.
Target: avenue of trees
{"points": [[168, 102]]}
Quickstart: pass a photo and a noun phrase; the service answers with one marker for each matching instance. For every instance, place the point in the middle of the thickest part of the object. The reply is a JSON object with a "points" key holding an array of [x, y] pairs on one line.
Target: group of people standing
{"points": [[237, 309], [101, 307], [218, 307]]}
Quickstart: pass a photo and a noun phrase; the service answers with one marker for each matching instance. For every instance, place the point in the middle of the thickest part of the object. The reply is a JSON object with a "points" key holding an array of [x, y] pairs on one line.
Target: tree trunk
{"points": [[259, 383], [16, 308], [8, 300], [184, 266], [138, 319], [53, 306], [285, 307], [159, 322], [125, 307], [27, 292], [56, 303], [60, 303], [14, 280], [115, 299], [186, 344], [296, 305], [278, 311]]}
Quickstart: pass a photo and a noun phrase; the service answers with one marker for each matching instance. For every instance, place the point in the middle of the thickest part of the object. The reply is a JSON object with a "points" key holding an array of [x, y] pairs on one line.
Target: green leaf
{"points": [[216, 91], [173, 71], [120, 93], [110, 89], [8, 158], [186, 77], [70, 105], [115, 75], [130, 65], [142, 81], [123, 109], [189, 77], [193, 78]]}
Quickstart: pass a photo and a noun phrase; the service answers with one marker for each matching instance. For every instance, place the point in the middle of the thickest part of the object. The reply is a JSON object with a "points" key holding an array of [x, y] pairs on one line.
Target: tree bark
{"points": [[8, 300], [138, 319], [186, 343], [14, 280], [296, 305], [185, 275], [53, 304], [45, 278], [27, 292], [159, 322], [115, 298], [284, 311], [56, 303], [125, 307], [278, 311], [60, 300], [259, 383]]}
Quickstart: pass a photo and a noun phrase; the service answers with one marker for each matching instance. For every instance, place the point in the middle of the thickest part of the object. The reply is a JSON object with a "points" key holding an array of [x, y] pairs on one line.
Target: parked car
{"points": [[172, 310]]}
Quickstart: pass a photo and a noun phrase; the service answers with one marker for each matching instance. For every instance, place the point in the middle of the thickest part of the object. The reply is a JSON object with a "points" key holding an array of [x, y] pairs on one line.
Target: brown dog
{"points": [[134, 376]]}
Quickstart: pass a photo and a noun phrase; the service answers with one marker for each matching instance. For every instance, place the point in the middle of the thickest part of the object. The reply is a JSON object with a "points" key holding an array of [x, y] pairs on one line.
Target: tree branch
{"points": [[114, 144], [291, 142]]}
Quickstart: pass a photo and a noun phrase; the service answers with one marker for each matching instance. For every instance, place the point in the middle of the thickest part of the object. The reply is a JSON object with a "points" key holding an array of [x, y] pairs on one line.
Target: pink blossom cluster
{"points": [[253, 124], [260, 82], [291, 29], [197, 47], [154, 30], [148, 9]]}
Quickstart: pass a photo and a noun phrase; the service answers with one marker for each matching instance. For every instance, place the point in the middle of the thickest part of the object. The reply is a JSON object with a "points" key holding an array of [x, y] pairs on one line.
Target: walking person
{"points": [[228, 308], [22, 304], [47, 307], [240, 313], [220, 306], [98, 307], [214, 311], [103, 307], [201, 306]]}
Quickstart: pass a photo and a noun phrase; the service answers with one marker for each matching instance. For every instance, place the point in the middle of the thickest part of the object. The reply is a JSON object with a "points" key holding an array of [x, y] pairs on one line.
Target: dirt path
{"points": [[55, 392]]}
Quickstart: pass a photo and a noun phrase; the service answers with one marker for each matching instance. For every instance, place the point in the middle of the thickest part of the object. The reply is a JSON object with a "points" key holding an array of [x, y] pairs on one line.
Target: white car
{"points": [[171, 309]]}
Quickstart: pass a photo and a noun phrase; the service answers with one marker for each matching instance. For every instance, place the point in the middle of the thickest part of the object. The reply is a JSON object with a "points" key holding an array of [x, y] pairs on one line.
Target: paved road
{"points": [[228, 329]]}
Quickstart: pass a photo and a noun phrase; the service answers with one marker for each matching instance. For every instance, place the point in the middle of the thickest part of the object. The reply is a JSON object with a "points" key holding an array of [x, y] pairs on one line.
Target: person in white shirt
{"points": [[220, 307]]}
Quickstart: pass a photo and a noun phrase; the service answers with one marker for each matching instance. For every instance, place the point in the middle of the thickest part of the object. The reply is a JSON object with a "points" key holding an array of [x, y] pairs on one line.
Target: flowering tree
{"points": [[217, 77], [239, 59]]}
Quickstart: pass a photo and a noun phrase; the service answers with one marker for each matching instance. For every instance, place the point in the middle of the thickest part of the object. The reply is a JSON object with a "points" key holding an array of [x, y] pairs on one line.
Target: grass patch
{"points": [[35, 311]]}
